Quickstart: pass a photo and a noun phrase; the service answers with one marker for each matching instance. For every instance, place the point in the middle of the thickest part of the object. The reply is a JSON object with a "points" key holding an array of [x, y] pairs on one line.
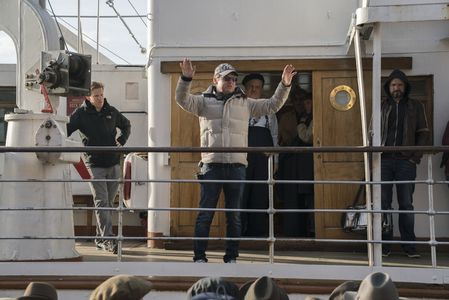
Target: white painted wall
{"points": [[250, 29]]}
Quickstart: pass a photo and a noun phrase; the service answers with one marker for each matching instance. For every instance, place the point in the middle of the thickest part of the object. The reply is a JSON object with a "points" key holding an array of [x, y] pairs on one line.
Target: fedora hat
{"points": [[39, 291], [213, 285], [339, 291], [211, 296], [375, 286], [122, 287], [264, 288]]}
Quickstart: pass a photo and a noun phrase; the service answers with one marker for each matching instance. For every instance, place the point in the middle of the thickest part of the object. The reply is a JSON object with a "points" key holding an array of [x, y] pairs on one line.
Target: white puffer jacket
{"points": [[225, 123]]}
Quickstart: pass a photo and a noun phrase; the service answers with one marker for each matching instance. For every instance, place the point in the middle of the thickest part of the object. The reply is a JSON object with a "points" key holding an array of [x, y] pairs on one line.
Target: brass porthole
{"points": [[342, 98]]}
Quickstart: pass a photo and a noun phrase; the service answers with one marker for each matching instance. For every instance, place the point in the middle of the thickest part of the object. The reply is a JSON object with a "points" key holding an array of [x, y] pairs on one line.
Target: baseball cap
{"points": [[224, 69]]}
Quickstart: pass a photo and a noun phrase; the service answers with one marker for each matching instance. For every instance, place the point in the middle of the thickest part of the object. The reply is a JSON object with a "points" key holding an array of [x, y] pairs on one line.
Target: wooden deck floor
{"points": [[138, 251]]}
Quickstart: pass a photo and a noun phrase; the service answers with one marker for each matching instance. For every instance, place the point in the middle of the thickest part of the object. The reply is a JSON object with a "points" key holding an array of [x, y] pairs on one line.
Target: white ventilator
{"points": [[44, 207]]}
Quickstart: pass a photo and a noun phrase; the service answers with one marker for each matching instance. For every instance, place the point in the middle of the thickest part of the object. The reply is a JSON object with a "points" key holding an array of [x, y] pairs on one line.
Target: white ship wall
{"points": [[271, 29]]}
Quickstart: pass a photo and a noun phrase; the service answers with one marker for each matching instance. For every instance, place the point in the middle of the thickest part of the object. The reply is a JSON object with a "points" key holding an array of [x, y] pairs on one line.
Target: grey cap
{"points": [[224, 69]]}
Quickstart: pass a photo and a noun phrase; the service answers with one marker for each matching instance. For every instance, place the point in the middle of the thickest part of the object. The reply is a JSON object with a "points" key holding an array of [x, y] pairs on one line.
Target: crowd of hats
{"points": [[375, 286]]}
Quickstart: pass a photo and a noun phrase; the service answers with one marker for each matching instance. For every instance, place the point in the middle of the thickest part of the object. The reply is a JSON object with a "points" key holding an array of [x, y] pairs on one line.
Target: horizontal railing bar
{"points": [[277, 210], [423, 181], [184, 238], [323, 149]]}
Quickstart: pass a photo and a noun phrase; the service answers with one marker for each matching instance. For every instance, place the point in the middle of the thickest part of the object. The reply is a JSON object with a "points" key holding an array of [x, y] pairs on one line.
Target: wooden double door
{"points": [[332, 127]]}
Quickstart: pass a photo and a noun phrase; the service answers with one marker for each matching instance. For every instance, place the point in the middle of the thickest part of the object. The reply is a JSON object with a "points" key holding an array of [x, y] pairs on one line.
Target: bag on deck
{"points": [[358, 221]]}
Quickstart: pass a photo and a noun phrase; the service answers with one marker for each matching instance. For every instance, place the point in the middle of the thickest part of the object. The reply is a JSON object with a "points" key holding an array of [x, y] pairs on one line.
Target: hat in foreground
{"points": [[264, 288], [210, 286], [39, 291], [375, 286], [122, 287], [339, 291]]}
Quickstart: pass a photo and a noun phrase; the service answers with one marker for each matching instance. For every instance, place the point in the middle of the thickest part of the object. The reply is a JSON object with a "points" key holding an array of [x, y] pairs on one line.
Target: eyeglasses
{"points": [[230, 78]]}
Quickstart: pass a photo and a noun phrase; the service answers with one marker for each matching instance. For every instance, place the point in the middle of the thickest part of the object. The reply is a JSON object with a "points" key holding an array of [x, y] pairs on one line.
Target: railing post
{"points": [[271, 211], [120, 223], [430, 186]]}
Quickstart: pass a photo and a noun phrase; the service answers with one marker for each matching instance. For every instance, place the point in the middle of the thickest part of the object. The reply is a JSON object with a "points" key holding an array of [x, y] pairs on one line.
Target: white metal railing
{"points": [[425, 274]]}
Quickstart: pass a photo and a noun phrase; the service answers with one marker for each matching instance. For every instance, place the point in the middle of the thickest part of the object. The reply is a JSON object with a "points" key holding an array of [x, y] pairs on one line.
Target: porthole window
{"points": [[342, 98]]}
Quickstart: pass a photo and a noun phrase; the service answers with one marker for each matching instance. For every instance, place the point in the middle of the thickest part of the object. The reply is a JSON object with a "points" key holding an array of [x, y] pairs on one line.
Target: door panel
{"points": [[185, 132], [333, 127]]}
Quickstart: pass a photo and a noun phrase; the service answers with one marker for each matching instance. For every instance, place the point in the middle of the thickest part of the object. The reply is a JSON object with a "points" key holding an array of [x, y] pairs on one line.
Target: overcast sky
{"points": [[113, 34]]}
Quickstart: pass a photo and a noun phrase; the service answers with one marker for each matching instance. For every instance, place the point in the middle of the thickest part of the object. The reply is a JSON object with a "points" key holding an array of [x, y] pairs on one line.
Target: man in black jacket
{"points": [[403, 123], [98, 122]]}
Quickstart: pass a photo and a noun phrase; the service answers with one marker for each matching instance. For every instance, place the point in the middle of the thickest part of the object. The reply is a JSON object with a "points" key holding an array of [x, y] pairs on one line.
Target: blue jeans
{"points": [[210, 193], [399, 169]]}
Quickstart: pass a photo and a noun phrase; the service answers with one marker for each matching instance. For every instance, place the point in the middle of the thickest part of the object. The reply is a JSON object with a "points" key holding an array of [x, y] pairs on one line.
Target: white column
{"points": [[158, 136], [377, 56]]}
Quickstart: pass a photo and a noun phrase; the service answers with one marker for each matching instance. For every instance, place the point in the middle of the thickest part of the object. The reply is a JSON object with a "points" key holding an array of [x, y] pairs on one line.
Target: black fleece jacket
{"points": [[100, 129]]}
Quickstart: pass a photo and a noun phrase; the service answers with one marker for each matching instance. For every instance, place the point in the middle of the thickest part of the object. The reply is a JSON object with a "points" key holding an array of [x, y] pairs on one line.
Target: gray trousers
{"points": [[103, 195]]}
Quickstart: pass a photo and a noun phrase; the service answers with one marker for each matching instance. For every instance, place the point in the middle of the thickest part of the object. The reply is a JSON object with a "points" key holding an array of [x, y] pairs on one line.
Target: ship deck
{"points": [[137, 251], [133, 251]]}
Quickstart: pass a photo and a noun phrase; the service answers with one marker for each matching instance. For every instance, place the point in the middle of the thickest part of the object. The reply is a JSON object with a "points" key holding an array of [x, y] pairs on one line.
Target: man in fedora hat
{"points": [[263, 288], [223, 111], [39, 291], [122, 287], [375, 286]]}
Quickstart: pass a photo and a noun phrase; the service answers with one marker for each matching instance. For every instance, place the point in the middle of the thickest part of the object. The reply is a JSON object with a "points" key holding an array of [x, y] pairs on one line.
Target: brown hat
{"points": [[264, 288], [339, 291], [375, 286], [122, 287], [39, 291]]}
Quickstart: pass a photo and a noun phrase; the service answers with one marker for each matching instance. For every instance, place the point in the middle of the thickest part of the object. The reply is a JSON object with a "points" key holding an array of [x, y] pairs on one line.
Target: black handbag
{"points": [[358, 221]]}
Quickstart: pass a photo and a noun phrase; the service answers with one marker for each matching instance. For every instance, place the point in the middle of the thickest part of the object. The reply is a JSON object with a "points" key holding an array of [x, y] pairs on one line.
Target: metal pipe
{"points": [[376, 77], [271, 211], [361, 86], [98, 32], [19, 77], [433, 251], [79, 27], [321, 149], [120, 227]]}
